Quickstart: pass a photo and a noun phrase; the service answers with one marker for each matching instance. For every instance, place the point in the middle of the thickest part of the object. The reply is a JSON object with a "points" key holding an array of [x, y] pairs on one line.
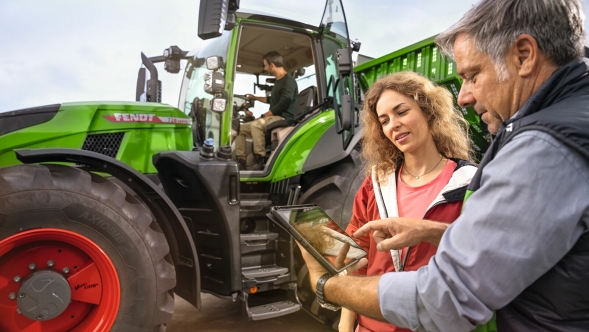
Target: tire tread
{"points": [[22, 178]]}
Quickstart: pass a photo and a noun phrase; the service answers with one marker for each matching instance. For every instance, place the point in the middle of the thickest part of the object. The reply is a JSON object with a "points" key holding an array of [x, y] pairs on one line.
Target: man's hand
{"points": [[397, 233], [250, 97], [315, 269], [360, 294]]}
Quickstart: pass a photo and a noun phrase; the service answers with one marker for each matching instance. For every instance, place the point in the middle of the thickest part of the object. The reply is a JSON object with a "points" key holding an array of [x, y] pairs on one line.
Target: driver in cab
{"points": [[282, 102]]}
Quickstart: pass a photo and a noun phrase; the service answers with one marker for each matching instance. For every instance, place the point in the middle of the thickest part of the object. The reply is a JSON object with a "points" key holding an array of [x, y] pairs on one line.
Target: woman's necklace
{"points": [[418, 176]]}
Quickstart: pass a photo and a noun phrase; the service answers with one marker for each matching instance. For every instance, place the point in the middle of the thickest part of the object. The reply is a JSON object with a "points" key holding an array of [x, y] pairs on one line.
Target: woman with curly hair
{"points": [[417, 153]]}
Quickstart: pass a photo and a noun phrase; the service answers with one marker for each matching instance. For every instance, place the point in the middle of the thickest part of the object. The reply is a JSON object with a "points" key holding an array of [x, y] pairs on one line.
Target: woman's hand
{"points": [[347, 321], [340, 261]]}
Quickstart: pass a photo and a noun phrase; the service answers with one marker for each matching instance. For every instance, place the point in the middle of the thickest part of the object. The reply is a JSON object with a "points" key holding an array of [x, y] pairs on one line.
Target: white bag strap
{"points": [[386, 200]]}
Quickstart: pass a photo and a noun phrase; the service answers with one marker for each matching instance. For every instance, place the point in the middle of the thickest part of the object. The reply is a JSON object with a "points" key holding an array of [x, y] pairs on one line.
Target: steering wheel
{"points": [[241, 108], [245, 101]]}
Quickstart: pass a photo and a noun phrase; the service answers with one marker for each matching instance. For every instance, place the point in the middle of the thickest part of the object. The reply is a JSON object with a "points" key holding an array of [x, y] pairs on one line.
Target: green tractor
{"points": [[108, 209]]}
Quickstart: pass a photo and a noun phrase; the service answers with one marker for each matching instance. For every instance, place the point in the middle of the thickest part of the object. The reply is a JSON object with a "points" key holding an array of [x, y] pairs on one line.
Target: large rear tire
{"points": [[334, 192], [104, 262]]}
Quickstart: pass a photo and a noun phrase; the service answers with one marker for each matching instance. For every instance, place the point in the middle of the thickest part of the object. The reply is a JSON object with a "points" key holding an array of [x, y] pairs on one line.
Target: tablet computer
{"points": [[318, 234]]}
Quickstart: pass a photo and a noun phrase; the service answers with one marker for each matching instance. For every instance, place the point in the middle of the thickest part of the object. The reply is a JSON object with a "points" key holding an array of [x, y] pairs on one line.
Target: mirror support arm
{"points": [[154, 86]]}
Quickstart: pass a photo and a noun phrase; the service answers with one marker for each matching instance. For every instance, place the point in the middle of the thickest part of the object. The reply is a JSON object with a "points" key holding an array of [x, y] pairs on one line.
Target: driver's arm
{"points": [[262, 99]]}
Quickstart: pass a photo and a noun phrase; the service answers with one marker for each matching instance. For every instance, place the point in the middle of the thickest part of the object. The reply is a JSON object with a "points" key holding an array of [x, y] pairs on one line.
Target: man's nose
{"points": [[465, 97]]}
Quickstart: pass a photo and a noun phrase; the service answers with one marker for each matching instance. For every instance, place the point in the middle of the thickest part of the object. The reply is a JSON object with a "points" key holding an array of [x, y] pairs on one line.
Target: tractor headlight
{"points": [[218, 105], [214, 62], [172, 66], [172, 54], [214, 83]]}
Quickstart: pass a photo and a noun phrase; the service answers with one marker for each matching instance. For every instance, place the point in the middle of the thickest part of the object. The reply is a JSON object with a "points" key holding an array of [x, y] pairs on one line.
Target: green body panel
{"points": [[74, 121], [490, 326], [229, 78], [424, 58], [467, 195], [292, 157]]}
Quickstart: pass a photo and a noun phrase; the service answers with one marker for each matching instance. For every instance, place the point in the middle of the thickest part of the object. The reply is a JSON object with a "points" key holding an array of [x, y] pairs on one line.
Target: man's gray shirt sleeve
{"points": [[531, 209]]}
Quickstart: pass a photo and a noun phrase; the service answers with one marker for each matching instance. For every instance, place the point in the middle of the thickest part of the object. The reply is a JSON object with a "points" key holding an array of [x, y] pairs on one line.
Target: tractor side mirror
{"points": [[344, 61], [344, 68]]}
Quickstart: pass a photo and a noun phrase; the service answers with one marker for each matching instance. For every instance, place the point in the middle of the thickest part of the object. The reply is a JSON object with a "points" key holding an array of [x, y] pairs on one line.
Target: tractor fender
{"points": [[324, 152], [166, 214]]}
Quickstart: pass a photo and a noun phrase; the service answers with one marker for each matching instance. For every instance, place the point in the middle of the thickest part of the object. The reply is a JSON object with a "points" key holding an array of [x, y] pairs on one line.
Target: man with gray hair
{"points": [[520, 249]]}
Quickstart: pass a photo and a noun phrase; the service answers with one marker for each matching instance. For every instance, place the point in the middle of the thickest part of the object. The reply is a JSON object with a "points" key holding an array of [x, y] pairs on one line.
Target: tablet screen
{"points": [[322, 233]]}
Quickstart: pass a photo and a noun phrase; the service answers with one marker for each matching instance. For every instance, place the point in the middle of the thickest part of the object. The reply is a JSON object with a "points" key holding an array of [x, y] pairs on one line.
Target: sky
{"points": [[55, 51]]}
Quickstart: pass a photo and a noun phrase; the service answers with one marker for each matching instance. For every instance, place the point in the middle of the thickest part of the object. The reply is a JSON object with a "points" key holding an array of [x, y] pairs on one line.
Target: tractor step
{"points": [[283, 304], [257, 203], [253, 205], [258, 236], [259, 242], [252, 200], [264, 277], [272, 310], [263, 272]]}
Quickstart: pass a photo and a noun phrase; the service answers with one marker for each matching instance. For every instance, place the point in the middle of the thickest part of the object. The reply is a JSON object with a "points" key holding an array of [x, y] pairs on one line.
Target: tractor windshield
{"points": [[194, 100]]}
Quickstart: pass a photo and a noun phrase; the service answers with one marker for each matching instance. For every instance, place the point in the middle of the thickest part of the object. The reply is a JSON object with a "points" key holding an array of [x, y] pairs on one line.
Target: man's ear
{"points": [[525, 49]]}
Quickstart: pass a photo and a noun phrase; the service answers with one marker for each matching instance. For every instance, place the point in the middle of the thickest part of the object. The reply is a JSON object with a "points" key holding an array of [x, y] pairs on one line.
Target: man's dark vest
{"points": [[559, 300]]}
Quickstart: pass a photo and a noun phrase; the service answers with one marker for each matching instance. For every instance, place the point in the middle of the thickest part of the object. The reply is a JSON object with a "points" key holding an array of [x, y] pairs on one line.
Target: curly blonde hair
{"points": [[448, 127]]}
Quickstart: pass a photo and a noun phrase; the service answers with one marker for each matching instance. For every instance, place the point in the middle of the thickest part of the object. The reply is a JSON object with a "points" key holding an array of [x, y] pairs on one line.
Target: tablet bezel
{"points": [[285, 224]]}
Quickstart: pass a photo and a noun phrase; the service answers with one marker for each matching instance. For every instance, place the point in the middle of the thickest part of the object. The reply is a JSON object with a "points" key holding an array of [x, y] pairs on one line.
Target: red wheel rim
{"points": [[92, 278]]}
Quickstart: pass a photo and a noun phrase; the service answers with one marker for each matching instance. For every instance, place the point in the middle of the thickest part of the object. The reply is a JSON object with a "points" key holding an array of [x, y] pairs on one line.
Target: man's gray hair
{"points": [[557, 26]]}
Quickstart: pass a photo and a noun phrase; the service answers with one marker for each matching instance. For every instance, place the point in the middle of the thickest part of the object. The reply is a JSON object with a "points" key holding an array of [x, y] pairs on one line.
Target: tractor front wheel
{"points": [[77, 253]]}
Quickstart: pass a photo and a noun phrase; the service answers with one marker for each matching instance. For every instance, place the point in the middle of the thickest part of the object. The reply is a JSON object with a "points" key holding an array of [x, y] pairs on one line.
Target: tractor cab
{"points": [[226, 68]]}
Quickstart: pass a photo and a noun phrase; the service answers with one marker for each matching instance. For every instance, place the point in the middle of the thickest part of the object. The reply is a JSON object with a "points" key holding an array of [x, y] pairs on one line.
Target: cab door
{"points": [[339, 69]]}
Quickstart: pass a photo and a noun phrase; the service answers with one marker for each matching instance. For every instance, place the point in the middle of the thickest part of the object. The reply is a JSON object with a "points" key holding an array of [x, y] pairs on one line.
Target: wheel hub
{"points": [[56, 280], [43, 295]]}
